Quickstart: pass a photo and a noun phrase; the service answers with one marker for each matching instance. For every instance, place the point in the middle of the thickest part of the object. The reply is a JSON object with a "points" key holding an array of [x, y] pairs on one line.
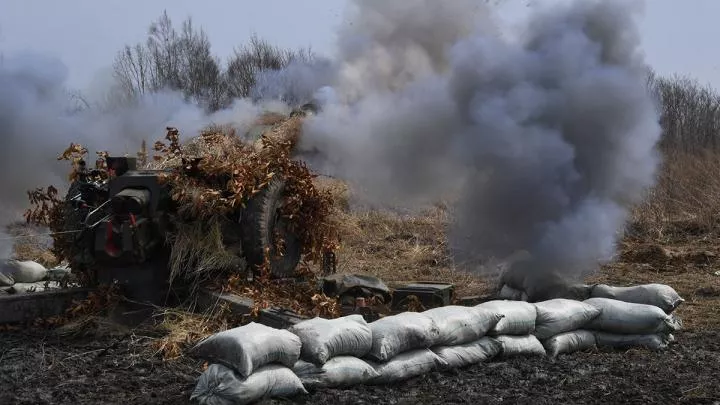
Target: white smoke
{"points": [[38, 121], [540, 143]]}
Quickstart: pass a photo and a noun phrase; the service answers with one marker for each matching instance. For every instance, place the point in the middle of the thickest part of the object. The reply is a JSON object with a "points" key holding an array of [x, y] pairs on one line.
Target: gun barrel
{"points": [[130, 201]]}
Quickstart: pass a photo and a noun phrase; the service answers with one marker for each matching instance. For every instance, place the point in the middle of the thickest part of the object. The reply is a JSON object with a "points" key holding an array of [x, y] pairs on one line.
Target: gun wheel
{"points": [[263, 228]]}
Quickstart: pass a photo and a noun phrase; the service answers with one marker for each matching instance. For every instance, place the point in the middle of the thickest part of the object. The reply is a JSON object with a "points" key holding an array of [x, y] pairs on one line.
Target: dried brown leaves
{"points": [[301, 298], [97, 303], [47, 207], [218, 173]]}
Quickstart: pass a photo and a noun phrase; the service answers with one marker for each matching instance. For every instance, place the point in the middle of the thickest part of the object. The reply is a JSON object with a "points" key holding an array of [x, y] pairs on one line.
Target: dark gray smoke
{"points": [[543, 143]]}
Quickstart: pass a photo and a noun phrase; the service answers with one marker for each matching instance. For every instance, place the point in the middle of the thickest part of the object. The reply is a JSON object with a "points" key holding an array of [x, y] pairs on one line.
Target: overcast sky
{"points": [[678, 37]]}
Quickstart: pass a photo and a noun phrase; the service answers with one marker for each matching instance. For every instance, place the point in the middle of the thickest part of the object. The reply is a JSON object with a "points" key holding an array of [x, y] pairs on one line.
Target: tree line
{"points": [[182, 60]]}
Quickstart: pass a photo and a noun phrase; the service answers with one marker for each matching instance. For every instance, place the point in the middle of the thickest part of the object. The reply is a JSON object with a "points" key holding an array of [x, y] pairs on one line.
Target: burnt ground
{"points": [[47, 369]]}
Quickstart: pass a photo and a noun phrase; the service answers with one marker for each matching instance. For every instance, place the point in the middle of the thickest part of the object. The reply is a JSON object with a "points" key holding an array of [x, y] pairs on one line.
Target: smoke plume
{"points": [[539, 144], [38, 120], [542, 143]]}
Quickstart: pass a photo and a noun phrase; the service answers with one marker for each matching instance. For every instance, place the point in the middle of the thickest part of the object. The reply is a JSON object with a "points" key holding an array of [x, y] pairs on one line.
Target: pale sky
{"points": [[678, 37]]}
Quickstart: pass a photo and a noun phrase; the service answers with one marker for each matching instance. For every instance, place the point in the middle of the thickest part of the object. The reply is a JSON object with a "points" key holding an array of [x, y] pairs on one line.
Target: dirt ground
{"points": [[49, 370], [114, 366]]}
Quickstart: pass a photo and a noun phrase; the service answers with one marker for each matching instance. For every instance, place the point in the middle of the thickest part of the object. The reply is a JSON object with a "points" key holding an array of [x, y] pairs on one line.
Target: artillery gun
{"points": [[125, 219]]}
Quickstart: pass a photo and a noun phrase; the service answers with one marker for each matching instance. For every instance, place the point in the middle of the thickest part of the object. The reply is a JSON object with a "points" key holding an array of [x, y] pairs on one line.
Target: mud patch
{"points": [[708, 292]]}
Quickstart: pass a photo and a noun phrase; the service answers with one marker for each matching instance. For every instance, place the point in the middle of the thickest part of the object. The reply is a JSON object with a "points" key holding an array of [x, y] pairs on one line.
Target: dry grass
{"points": [[673, 238], [182, 329], [399, 248], [200, 254], [684, 203], [31, 244]]}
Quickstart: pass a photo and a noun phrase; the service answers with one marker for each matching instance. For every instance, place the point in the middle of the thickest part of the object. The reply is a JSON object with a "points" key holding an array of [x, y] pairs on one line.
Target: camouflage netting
{"points": [[229, 172]]}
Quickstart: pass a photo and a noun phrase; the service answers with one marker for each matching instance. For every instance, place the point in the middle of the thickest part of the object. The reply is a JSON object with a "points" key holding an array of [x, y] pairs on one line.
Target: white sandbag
{"points": [[655, 341], [630, 319], [509, 293], [562, 315], [400, 333], [518, 317], [340, 371], [569, 342], [23, 271], [527, 345], [661, 295], [468, 354], [24, 288], [323, 339], [407, 365], [458, 324], [247, 348], [219, 385], [6, 280]]}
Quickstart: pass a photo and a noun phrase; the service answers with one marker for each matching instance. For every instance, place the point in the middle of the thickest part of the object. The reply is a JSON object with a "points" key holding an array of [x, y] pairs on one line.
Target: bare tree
{"points": [[255, 57], [171, 60], [134, 70], [690, 114], [199, 71], [183, 61]]}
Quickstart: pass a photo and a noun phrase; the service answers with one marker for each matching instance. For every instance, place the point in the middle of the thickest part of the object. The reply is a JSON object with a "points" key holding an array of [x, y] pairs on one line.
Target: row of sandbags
{"points": [[659, 295], [256, 361]]}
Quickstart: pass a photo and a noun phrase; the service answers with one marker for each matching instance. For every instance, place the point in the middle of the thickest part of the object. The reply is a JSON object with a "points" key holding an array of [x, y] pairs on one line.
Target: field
{"points": [[673, 238]]}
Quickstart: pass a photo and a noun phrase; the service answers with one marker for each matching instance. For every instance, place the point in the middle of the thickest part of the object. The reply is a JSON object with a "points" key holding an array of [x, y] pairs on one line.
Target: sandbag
{"points": [[655, 341], [23, 271], [661, 295], [569, 342], [6, 280], [468, 354], [518, 317], [24, 288], [340, 371], [562, 315], [407, 365], [527, 345], [400, 333], [630, 319], [458, 324], [509, 293], [219, 385], [247, 348], [323, 339]]}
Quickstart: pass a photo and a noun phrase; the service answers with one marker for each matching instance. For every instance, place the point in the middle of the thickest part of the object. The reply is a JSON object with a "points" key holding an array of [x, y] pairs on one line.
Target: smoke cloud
{"points": [[539, 144], [38, 120], [542, 143]]}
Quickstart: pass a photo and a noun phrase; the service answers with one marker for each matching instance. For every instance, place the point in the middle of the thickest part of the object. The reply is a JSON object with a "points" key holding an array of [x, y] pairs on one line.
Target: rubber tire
{"points": [[258, 221]]}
